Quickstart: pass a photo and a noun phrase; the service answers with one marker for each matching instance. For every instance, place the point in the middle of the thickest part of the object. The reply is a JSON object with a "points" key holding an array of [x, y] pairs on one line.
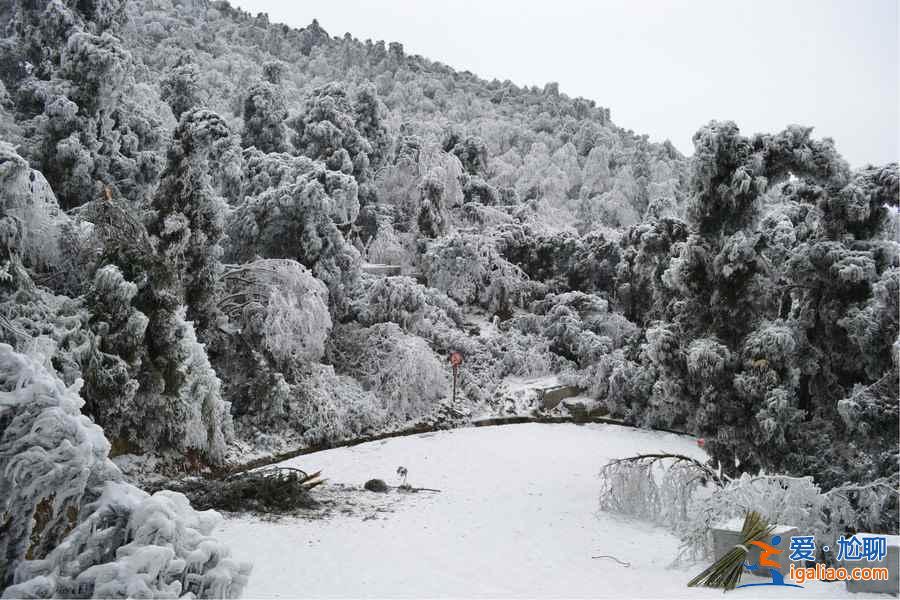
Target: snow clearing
{"points": [[516, 517]]}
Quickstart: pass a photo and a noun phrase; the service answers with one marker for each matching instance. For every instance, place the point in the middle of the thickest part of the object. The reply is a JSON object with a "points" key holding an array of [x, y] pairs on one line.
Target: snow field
{"points": [[517, 517]]}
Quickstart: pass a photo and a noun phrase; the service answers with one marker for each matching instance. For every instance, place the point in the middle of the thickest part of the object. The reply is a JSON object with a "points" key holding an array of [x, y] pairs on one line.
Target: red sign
{"points": [[455, 359]]}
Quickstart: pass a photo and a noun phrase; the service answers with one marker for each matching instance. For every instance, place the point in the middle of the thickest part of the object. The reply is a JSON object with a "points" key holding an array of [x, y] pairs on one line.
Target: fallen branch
{"points": [[408, 488], [650, 459], [621, 562]]}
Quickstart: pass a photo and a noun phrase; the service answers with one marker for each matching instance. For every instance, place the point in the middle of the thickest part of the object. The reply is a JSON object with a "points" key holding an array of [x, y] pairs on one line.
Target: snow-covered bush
{"points": [[578, 326], [52, 328], [280, 303], [687, 497], [73, 528], [326, 407], [562, 259], [660, 489], [31, 220], [386, 247], [469, 269], [401, 369], [417, 309]]}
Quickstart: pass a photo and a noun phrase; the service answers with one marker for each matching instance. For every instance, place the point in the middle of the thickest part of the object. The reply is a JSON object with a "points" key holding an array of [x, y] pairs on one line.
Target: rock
{"points": [[376, 485], [551, 397], [578, 406]]}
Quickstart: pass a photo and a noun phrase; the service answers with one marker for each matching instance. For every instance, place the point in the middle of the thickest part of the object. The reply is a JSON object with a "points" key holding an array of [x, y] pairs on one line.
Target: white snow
{"points": [[517, 517], [520, 395], [737, 524]]}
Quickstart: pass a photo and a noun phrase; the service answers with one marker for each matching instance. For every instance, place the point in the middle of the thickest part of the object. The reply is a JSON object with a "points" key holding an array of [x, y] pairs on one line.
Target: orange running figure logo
{"points": [[767, 550]]}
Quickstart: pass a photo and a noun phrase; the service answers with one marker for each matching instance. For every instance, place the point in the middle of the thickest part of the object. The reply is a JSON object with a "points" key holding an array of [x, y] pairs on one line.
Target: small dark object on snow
{"points": [[402, 472], [376, 485]]}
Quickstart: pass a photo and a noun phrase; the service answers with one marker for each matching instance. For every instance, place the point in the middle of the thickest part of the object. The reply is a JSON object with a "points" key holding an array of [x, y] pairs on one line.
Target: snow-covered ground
{"points": [[517, 517]]}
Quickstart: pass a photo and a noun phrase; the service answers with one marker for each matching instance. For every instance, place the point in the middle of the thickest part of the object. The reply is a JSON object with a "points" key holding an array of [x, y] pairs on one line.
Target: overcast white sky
{"points": [[663, 67]]}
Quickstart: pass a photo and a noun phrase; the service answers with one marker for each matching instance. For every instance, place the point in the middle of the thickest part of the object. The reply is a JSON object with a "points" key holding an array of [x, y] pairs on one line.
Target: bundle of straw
{"points": [[726, 572]]}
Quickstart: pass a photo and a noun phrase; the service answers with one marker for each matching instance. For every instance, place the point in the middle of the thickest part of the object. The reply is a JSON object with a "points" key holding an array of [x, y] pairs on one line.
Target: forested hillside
{"points": [[190, 195]]}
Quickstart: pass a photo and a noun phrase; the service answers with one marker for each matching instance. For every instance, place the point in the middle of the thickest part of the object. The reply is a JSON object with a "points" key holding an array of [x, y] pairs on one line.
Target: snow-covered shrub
{"points": [[475, 214], [278, 325], [401, 369], [469, 269], [31, 220], [73, 528], [579, 326], [52, 456], [689, 498], [49, 327], [327, 407], [279, 303], [525, 355], [417, 309], [661, 489], [132, 545], [562, 259], [386, 247], [795, 501], [621, 384]]}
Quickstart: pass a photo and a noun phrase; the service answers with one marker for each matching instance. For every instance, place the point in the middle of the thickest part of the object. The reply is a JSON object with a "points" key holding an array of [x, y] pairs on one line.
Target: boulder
{"points": [[376, 485]]}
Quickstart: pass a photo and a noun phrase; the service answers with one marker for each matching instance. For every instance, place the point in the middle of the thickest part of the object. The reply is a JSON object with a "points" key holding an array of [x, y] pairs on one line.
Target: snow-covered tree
{"points": [[189, 214], [88, 123], [469, 269], [292, 208], [117, 351], [181, 89], [279, 302], [73, 527], [265, 113], [326, 130], [371, 113], [401, 369]]}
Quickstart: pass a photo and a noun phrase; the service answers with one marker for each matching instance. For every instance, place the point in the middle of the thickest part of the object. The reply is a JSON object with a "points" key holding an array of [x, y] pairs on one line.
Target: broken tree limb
{"points": [[407, 488], [610, 557]]}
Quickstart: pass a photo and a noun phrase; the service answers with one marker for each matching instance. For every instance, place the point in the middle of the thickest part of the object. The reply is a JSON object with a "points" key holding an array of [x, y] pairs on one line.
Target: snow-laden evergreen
{"points": [[73, 526]]}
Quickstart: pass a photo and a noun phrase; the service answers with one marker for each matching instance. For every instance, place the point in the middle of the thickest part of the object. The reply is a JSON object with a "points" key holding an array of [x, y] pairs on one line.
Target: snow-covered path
{"points": [[517, 517]]}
